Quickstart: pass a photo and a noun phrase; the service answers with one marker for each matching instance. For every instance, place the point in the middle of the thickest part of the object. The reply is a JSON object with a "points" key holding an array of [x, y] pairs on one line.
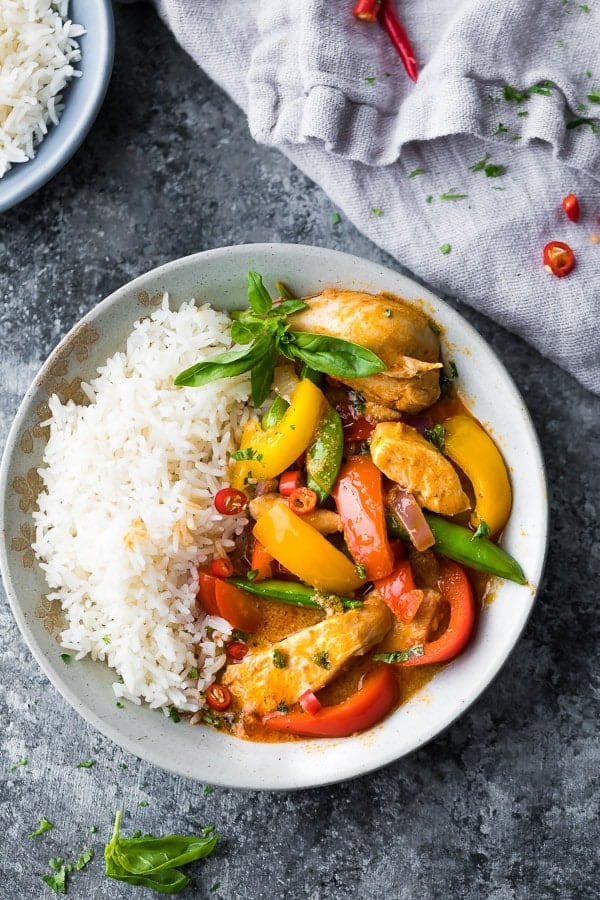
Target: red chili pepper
{"points": [[221, 598], [218, 697], [230, 502], [456, 589], [237, 650], [310, 703], [571, 207], [374, 699], [559, 259], [399, 38], [221, 567], [366, 10], [302, 500], [289, 481]]}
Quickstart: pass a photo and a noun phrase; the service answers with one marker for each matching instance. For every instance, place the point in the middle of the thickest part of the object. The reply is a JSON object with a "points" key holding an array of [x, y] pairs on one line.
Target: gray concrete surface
{"points": [[504, 804]]}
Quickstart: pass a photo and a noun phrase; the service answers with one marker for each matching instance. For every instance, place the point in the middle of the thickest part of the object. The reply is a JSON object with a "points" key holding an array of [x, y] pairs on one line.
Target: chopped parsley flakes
{"points": [[42, 828], [445, 249], [321, 659]]}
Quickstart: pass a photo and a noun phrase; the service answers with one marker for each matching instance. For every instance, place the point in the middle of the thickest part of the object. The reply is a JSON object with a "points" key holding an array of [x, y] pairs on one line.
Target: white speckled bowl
{"points": [[202, 753], [82, 98]]}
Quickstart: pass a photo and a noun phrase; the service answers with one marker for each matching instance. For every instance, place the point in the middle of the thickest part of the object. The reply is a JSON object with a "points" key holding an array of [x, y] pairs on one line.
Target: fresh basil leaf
{"points": [[288, 307], [284, 291], [169, 881], [436, 436], [259, 298], [334, 356], [225, 365], [397, 656], [244, 331], [261, 377]]}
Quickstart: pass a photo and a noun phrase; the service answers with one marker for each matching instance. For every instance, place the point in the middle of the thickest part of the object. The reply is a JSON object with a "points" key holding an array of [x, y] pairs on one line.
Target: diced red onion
{"points": [[410, 515]]}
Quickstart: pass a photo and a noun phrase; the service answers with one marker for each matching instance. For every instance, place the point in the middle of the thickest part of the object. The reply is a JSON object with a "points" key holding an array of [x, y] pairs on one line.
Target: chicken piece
{"points": [[312, 657], [404, 456], [393, 329], [324, 520]]}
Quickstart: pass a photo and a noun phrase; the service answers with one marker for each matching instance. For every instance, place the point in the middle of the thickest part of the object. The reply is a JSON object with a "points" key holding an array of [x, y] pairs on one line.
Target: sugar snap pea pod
{"points": [[274, 413], [290, 592], [324, 456], [457, 543]]}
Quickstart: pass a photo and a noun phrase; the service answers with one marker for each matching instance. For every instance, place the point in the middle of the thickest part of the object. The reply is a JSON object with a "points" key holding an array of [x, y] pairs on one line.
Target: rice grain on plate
{"points": [[126, 513], [37, 53]]}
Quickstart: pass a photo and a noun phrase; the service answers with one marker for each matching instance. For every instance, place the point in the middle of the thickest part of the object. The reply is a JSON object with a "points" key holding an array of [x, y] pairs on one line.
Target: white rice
{"points": [[38, 50], [126, 514]]}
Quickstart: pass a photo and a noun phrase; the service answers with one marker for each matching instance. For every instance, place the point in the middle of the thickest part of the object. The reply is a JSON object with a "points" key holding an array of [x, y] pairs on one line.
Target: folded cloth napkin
{"points": [[460, 176]]}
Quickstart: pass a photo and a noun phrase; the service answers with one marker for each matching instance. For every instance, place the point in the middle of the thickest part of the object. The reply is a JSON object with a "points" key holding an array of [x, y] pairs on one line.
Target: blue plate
{"points": [[82, 98]]}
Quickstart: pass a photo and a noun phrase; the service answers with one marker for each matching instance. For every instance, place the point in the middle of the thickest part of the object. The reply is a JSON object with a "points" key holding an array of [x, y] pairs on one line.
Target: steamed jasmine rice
{"points": [[126, 513]]}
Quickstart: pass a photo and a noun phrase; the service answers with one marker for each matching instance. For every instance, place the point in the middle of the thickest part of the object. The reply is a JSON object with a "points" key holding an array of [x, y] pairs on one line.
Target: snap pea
{"points": [[457, 543], [275, 412], [290, 592], [324, 456]]}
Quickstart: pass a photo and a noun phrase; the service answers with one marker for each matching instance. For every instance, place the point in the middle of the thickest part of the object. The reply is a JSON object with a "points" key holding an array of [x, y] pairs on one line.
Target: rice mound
{"points": [[38, 48], [126, 513]]}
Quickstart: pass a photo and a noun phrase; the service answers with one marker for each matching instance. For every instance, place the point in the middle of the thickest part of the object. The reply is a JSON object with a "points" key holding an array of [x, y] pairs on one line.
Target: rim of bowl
{"points": [[487, 669], [82, 97]]}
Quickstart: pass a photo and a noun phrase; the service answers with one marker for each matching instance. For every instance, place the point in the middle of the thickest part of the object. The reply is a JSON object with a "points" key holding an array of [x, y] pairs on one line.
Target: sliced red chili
{"points": [[309, 702], [221, 567], [218, 697], [570, 205], [559, 259], [366, 10], [302, 500], [237, 650], [289, 481], [230, 501]]}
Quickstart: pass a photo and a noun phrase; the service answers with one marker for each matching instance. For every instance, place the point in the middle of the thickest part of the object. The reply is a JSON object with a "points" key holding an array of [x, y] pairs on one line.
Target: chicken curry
{"points": [[374, 501]]}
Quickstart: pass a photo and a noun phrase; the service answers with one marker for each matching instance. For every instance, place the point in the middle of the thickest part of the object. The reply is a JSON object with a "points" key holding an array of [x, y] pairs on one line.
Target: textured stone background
{"points": [[505, 803]]}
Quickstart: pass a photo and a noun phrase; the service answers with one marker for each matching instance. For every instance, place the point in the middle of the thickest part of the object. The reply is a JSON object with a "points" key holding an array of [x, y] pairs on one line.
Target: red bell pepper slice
{"points": [[456, 589], [221, 598], [374, 699], [398, 590], [358, 494]]}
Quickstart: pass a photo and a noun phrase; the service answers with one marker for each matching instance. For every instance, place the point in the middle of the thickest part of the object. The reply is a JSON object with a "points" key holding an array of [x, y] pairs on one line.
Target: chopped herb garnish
{"points": [[279, 659], [451, 196], [86, 764], [453, 369], [42, 828], [210, 718], [501, 129], [335, 218], [252, 574], [174, 714], [594, 96], [388, 313], [22, 762], [237, 635], [123, 765], [106, 638], [321, 659], [208, 790], [515, 137], [577, 123], [193, 673], [248, 453], [434, 327], [214, 887], [398, 656], [479, 166], [445, 249], [543, 89], [370, 79], [376, 211], [283, 707], [561, 43], [58, 881], [588, 73], [513, 95], [584, 7], [523, 113], [209, 630], [415, 172], [581, 107], [142, 803], [483, 531], [494, 171], [428, 198], [66, 658], [436, 436], [360, 570], [119, 705], [93, 829]]}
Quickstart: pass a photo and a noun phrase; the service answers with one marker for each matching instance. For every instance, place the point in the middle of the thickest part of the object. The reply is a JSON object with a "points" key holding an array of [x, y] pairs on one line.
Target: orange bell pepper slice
{"points": [[376, 697], [221, 598], [358, 494]]}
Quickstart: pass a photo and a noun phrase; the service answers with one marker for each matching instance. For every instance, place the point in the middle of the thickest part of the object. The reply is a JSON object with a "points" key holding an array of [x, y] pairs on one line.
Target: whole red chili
{"points": [[221, 567], [302, 500], [571, 207], [559, 259], [399, 38], [218, 697], [230, 502], [366, 10], [237, 650]]}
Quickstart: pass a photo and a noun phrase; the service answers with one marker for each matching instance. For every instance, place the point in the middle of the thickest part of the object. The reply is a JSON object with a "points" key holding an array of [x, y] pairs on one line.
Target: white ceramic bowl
{"points": [[202, 753], [82, 98]]}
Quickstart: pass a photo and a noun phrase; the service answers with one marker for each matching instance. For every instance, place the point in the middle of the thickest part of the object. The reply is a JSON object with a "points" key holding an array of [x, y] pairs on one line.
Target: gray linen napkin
{"points": [[332, 94]]}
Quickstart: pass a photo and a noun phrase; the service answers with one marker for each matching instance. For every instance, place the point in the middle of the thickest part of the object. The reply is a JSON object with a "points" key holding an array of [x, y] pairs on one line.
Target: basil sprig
{"points": [[266, 329], [155, 862]]}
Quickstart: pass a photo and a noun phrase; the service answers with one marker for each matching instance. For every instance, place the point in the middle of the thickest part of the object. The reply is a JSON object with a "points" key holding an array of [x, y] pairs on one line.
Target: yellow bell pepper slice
{"points": [[305, 552], [272, 451], [471, 448]]}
